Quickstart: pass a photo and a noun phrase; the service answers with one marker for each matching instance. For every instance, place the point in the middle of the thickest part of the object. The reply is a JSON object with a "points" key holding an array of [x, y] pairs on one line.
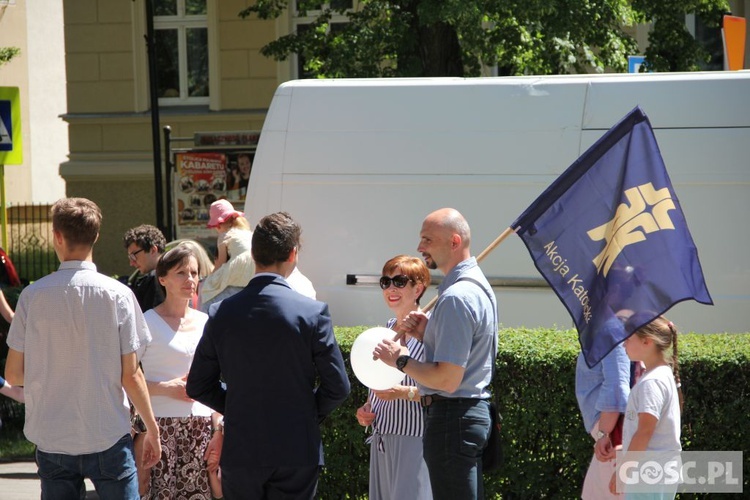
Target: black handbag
{"points": [[492, 456]]}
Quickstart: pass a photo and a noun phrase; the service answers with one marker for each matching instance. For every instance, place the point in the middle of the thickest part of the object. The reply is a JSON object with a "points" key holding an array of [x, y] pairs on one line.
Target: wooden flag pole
{"points": [[508, 231], [480, 257]]}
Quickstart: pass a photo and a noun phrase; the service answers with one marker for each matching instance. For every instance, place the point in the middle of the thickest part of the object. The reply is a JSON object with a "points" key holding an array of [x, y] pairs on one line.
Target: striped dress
{"points": [[400, 416], [397, 467]]}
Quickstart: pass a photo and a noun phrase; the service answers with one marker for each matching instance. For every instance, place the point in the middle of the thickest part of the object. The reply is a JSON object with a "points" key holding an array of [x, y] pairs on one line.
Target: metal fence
{"points": [[30, 241], [33, 256]]}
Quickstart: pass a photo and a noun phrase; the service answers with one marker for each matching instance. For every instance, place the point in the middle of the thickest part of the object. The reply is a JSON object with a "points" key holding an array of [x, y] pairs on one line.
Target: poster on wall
{"points": [[201, 179], [218, 168], [239, 165]]}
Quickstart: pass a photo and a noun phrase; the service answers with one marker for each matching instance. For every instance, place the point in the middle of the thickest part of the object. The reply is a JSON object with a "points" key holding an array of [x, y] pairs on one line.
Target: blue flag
{"points": [[610, 238]]}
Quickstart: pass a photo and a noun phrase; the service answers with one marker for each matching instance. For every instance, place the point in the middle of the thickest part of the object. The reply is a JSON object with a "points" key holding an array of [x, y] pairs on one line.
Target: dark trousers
{"points": [[269, 483], [455, 434], [112, 471]]}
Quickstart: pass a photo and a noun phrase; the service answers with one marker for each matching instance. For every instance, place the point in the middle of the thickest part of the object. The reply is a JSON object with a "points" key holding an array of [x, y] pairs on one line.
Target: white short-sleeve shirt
{"points": [[73, 327], [656, 394]]}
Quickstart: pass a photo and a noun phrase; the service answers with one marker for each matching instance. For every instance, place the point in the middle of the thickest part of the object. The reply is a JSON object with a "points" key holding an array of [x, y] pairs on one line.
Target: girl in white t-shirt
{"points": [[652, 417]]}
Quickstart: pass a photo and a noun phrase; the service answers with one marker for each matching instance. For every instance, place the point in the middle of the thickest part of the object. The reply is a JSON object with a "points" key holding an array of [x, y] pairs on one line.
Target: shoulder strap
{"points": [[494, 313]]}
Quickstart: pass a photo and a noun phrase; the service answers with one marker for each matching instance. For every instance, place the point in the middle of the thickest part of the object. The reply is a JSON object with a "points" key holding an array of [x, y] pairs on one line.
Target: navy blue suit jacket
{"points": [[283, 369]]}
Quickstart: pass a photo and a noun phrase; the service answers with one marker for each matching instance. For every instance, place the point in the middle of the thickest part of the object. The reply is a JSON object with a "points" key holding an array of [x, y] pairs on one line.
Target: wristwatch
{"points": [[401, 362], [219, 426], [139, 426], [411, 394], [601, 434]]}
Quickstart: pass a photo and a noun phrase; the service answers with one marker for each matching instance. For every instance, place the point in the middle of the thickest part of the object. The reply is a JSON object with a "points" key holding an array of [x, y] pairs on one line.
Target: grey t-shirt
{"points": [[463, 328]]}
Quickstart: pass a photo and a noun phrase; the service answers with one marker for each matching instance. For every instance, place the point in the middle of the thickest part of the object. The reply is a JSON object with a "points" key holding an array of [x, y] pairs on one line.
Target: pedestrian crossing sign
{"points": [[11, 147]]}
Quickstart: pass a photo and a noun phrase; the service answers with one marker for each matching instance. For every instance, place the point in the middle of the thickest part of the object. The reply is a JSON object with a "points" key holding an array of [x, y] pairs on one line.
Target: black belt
{"points": [[429, 399]]}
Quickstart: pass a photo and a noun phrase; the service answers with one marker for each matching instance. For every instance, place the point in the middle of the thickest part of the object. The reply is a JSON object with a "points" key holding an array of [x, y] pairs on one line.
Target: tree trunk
{"points": [[440, 51], [428, 49]]}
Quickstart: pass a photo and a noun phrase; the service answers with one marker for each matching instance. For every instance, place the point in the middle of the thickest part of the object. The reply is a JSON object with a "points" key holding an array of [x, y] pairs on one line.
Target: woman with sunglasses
{"points": [[397, 467]]}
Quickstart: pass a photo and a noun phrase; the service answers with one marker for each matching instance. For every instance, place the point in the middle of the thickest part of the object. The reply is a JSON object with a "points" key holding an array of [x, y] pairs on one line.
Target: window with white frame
{"points": [[303, 22], [181, 36]]}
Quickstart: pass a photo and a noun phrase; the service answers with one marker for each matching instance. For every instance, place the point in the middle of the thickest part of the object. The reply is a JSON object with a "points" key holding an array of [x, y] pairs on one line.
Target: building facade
{"points": [[211, 76], [36, 28]]}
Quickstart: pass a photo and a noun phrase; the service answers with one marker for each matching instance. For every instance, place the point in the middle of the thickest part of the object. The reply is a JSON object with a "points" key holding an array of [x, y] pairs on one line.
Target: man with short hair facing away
{"points": [[270, 344], [145, 244], [460, 348], [73, 346]]}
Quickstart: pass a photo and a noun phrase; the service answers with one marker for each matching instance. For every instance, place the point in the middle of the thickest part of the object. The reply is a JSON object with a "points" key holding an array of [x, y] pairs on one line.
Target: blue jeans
{"points": [[112, 471], [455, 434]]}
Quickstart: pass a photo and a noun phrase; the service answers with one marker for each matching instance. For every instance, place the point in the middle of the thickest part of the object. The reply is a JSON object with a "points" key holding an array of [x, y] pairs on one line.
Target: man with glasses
{"points": [[145, 244], [459, 348]]}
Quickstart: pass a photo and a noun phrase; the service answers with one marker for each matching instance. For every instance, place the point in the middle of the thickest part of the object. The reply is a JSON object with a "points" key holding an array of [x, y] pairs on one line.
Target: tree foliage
{"points": [[461, 37], [671, 46], [8, 53], [457, 37]]}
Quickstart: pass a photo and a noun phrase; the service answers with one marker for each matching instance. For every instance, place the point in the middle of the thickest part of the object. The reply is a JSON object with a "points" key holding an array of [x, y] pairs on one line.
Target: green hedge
{"points": [[547, 450]]}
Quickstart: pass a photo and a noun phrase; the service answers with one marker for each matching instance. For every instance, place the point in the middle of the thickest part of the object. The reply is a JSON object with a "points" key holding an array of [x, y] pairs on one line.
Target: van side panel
{"points": [[362, 221], [676, 100], [359, 163]]}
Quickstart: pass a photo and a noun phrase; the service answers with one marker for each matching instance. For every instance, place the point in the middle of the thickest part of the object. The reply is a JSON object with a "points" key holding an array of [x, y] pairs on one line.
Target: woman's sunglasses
{"points": [[399, 281]]}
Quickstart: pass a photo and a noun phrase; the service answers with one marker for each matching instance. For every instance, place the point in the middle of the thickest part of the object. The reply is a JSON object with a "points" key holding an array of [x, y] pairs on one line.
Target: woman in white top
{"points": [[205, 264], [397, 467], [185, 425]]}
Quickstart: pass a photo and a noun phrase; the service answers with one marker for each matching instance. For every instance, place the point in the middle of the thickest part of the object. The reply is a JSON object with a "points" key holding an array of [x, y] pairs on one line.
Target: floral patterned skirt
{"points": [[181, 473]]}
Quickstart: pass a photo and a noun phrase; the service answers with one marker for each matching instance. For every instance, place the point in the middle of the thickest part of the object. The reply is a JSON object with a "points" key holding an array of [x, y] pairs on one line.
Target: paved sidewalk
{"points": [[18, 481]]}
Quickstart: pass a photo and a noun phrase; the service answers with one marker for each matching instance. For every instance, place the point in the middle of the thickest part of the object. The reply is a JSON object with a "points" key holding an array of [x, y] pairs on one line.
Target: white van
{"points": [[359, 163]]}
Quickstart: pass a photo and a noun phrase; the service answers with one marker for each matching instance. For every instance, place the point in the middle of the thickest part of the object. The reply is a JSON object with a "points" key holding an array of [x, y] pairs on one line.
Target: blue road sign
{"points": [[635, 63], [6, 127]]}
